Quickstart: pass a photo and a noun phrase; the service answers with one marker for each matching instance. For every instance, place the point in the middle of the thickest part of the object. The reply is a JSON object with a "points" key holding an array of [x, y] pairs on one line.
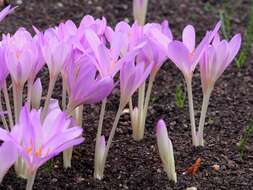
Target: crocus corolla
{"points": [[38, 141], [217, 57], [84, 86]]}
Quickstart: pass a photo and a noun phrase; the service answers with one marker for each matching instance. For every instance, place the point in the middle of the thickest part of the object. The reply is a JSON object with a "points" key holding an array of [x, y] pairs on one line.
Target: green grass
{"points": [[244, 139], [180, 96], [248, 37], [226, 23]]}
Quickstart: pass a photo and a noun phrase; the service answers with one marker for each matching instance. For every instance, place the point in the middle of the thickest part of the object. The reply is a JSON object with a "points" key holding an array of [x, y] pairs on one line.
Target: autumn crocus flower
{"points": [[217, 57], [151, 53], [132, 77], [21, 54], [166, 150], [56, 53], [84, 86], [38, 141], [186, 56]]}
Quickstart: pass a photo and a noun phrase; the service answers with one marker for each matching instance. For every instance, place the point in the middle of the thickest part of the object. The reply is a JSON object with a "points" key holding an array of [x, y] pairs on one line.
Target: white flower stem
{"points": [[79, 115], [97, 169], [49, 95], [67, 154], [141, 99], [109, 142], [200, 134], [29, 93], [7, 102], [145, 109], [191, 110], [130, 103], [30, 180], [2, 115]]}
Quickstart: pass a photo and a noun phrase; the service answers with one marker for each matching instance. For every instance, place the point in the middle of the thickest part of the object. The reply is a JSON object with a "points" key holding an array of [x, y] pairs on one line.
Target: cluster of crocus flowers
{"points": [[212, 54], [91, 59]]}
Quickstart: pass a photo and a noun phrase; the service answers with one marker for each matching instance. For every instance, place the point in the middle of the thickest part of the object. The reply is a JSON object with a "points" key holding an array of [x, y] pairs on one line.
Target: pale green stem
{"points": [[49, 95], [99, 132], [29, 93], [30, 180], [109, 142], [145, 108], [191, 110], [80, 115], [67, 154], [130, 103], [141, 98], [206, 97], [7, 102], [2, 115]]}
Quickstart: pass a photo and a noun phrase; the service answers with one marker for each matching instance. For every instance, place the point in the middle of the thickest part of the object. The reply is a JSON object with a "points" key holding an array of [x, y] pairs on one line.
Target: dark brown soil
{"points": [[136, 165]]}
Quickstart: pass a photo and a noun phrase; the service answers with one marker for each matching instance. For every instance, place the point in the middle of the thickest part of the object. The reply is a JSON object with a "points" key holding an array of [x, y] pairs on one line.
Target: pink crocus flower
{"points": [[185, 54], [37, 141], [55, 51], [106, 60], [7, 10], [132, 76], [37, 66], [84, 86], [21, 53], [217, 58]]}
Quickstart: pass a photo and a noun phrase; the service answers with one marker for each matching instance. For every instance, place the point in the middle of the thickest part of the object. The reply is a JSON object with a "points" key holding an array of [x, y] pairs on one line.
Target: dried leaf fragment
{"points": [[194, 168]]}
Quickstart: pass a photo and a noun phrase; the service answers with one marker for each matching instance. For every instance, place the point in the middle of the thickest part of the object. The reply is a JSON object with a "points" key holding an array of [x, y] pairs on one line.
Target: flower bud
{"points": [[36, 94], [166, 150]]}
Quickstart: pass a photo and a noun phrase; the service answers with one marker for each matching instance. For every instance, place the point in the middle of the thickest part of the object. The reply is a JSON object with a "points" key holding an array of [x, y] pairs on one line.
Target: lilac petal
{"points": [[8, 156], [160, 39], [166, 29], [7, 10], [180, 56], [93, 41], [234, 46], [200, 50], [58, 150], [216, 40], [58, 140], [189, 37], [100, 90]]}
